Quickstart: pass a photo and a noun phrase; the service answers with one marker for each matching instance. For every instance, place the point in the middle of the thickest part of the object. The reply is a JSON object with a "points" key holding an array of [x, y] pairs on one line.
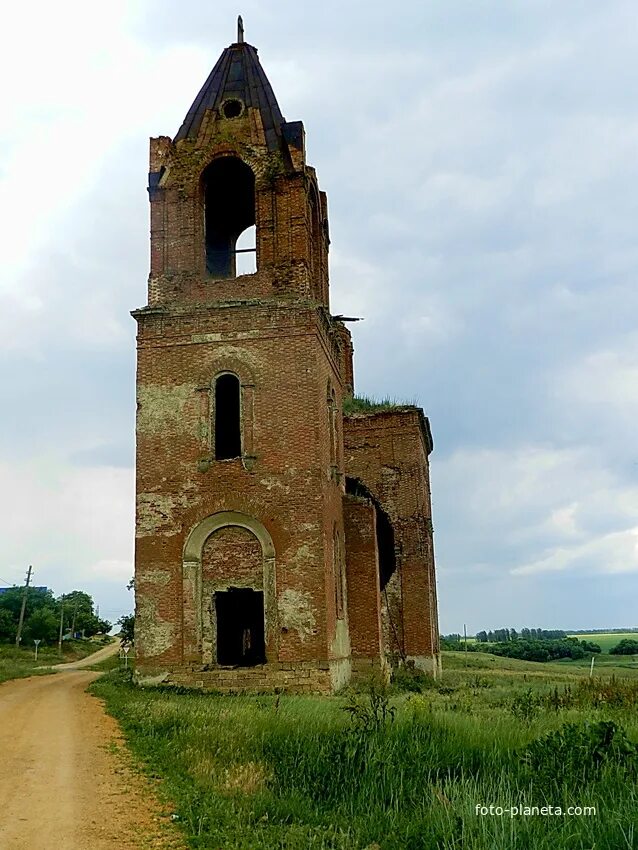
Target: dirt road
{"points": [[65, 780], [90, 660]]}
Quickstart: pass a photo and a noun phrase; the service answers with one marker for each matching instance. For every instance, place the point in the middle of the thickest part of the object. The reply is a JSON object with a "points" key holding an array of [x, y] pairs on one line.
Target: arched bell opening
{"points": [[229, 209]]}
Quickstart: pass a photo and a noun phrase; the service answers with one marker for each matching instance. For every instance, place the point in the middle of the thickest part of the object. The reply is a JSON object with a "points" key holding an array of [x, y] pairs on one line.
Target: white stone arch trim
{"points": [[192, 578], [199, 535]]}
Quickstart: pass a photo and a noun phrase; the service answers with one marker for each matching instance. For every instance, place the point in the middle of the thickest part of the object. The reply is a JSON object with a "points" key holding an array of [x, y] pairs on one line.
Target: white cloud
{"points": [[539, 508], [609, 554]]}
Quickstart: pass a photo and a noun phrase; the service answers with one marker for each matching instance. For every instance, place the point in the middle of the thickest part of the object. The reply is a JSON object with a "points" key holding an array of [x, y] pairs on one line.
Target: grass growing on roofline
{"points": [[366, 404], [295, 772]]}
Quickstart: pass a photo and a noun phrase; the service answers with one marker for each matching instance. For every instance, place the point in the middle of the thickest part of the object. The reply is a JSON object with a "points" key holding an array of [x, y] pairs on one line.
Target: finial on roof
{"points": [[240, 30]]}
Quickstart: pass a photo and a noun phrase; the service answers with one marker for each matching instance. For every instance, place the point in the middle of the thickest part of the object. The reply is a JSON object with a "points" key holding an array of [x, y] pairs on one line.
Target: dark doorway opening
{"points": [[227, 417], [229, 199], [240, 627]]}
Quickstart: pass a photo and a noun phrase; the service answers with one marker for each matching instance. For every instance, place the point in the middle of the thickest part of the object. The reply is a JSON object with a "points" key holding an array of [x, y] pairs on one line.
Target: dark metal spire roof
{"points": [[237, 75]]}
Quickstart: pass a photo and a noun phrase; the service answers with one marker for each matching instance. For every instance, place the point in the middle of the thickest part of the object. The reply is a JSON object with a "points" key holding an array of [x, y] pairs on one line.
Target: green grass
{"points": [[18, 663], [113, 662], [607, 641], [254, 773], [365, 404]]}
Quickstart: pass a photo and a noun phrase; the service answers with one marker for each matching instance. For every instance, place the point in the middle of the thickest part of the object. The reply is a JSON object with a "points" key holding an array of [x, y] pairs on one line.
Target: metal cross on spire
{"points": [[240, 30]]}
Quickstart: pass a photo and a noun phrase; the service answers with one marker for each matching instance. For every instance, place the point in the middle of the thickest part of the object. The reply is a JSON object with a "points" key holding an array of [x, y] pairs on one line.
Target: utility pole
{"points": [[465, 636], [23, 608], [61, 627], [75, 611]]}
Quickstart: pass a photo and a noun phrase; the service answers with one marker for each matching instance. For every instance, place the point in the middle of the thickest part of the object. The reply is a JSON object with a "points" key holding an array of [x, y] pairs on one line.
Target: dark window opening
{"points": [[229, 200], [385, 532], [240, 627], [232, 108], [227, 417]]}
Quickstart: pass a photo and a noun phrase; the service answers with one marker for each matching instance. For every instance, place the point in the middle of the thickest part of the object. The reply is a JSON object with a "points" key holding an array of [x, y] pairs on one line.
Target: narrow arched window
{"points": [[229, 203], [332, 427], [227, 417]]}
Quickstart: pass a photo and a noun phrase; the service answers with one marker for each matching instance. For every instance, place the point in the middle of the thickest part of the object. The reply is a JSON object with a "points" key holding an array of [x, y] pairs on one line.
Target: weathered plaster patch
{"points": [[271, 483], [155, 513], [295, 612], [341, 643], [158, 578], [153, 636], [302, 557], [161, 407], [340, 673]]}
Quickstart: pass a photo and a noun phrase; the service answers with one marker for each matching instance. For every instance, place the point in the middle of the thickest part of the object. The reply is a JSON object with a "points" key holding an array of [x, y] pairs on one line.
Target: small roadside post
{"points": [[37, 644], [591, 669]]}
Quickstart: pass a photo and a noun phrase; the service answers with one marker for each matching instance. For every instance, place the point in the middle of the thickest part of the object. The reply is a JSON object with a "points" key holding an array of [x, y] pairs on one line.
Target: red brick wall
{"points": [[285, 357], [362, 565], [232, 556]]}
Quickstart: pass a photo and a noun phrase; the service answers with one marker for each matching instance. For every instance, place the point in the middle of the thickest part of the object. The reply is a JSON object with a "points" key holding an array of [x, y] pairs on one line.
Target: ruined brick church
{"points": [[283, 528]]}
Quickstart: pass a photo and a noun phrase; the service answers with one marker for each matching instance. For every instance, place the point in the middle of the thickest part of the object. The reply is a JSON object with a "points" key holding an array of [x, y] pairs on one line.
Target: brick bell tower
{"points": [[280, 544], [241, 373]]}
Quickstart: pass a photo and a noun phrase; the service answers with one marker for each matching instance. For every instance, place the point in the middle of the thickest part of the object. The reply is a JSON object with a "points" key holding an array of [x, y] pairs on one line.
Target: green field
{"points": [[293, 772], [18, 663], [608, 640]]}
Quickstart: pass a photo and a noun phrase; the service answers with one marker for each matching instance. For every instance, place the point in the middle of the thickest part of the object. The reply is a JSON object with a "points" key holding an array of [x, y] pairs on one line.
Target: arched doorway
{"points": [[229, 592]]}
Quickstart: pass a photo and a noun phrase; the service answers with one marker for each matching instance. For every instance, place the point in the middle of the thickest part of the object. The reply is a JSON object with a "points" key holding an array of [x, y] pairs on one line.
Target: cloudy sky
{"points": [[481, 169]]}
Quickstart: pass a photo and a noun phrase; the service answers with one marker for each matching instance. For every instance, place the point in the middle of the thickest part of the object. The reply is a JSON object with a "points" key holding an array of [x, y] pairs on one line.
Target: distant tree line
{"points": [[545, 650], [519, 645], [505, 635], [603, 631], [44, 612]]}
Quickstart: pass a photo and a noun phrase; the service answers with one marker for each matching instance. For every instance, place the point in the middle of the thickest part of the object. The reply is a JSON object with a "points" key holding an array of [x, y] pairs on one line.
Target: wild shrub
{"points": [[371, 711], [479, 683], [526, 705], [595, 693], [607, 693], [580, 750], [557, 699]]}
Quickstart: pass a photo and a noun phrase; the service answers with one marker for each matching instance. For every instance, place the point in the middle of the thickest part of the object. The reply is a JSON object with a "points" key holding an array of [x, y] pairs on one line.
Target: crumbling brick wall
{"points": [[388, 451]]}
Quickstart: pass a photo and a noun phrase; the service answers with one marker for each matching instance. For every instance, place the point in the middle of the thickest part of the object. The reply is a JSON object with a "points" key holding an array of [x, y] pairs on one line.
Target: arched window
{"points": [[229, 203], [332, 428], [227, 417]]}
